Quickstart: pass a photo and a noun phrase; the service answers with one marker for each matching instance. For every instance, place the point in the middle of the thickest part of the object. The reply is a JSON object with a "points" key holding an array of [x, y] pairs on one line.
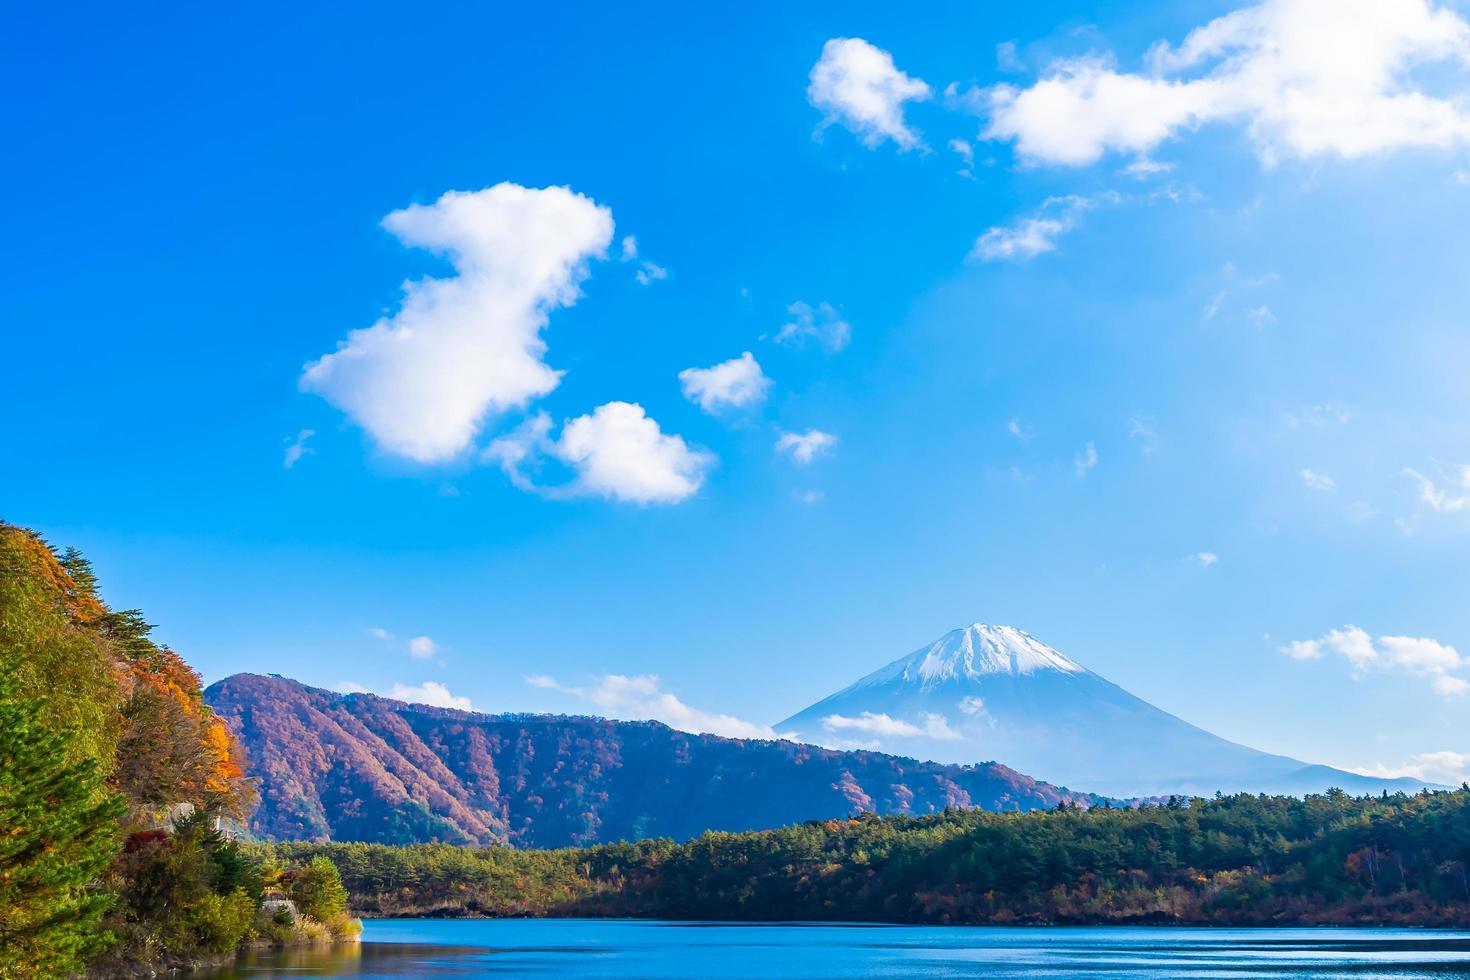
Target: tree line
{"points": [[1230, 860]]}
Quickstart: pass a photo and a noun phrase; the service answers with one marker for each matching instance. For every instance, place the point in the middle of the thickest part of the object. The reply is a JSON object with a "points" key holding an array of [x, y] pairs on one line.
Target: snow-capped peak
{"points": [[977, 650]]}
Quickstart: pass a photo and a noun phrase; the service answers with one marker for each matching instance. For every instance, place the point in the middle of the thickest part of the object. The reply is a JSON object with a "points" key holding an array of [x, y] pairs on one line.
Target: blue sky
{"points": [[1157, 352]]}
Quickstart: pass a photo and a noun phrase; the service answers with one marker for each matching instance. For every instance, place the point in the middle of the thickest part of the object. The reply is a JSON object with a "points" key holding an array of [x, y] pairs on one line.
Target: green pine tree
{"points": [[58, 832]]}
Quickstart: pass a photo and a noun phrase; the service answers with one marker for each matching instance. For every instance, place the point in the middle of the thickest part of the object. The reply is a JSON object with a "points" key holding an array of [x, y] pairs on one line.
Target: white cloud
{"points": [[431, 693], [971, 705], [418, 647], [423, 380], [1144, 429], [1205, 558], [1420, 656], [1442, 499], [629, 248], [858, 85], [298, 448], [736, 383], [1317, 416], [1318, 481], [1446, 768], [1260, 316], [1451, 687], [822, 324], [1037, 234], [1021, 432], [1214, 305], [617, 452], [1085, 460], [884, 726], [642, 698], [650, 273], [1143, 168], [966, 152], [1306, 78], [806, 446]]}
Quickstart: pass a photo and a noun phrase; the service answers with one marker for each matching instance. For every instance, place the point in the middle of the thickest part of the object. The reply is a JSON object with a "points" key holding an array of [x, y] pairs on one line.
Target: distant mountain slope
{"points": [[995, 692], [360, 767]]}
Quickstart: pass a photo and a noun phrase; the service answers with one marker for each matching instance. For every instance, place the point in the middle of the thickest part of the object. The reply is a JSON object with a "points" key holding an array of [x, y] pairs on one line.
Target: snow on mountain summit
{"points": [[972, 652]]}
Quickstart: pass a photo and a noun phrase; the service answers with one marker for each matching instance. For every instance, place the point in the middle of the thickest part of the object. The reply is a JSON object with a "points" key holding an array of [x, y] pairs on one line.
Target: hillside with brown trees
{"points": [[359, 767]]}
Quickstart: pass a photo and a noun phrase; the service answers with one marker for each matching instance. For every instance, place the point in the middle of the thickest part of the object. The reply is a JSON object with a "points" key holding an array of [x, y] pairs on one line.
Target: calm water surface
{"points": [[627, 949]]}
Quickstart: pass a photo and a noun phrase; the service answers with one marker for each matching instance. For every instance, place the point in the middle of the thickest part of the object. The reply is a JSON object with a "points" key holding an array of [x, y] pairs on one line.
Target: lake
{"points": [[618, 948]]}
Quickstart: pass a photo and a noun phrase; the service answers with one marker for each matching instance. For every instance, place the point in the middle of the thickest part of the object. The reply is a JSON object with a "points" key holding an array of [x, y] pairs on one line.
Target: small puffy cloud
{"points": [[821, 324], [418, 647], [617, 452], [297, 448], [971, 705], [1017, 429], [629, 248], [1205, 558], [1417, 655], [805, 446], [423, 380], [858, 85], [882, 725], [1317, 481], [736, 383], [642, 697], [1037, 234], [1085, 460], [431, 693], [1306, 79]]}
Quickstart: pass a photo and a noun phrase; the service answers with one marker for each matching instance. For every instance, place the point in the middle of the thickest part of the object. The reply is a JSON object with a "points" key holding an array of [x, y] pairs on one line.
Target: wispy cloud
{"points": [[1037, 234], [1318, 481], [882, 725], [297, 448], [642, 697], [1420, 656], [820, 324], [1085, 460]]}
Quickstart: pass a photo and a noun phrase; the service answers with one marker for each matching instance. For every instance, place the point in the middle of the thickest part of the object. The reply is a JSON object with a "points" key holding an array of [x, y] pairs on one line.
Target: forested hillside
{"points": [[115, 778], [1237, 860], [365, 768]]}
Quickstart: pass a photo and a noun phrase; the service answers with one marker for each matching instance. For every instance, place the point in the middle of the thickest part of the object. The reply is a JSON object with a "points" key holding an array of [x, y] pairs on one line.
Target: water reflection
{"points": [[625, 949]]}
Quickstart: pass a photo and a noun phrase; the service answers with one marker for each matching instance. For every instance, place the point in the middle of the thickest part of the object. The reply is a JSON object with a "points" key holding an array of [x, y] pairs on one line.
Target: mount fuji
{"points": [[996, 693]]}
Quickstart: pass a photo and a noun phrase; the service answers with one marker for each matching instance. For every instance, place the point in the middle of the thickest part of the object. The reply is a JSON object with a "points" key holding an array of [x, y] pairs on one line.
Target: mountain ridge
{"points": [[336, 766]]}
